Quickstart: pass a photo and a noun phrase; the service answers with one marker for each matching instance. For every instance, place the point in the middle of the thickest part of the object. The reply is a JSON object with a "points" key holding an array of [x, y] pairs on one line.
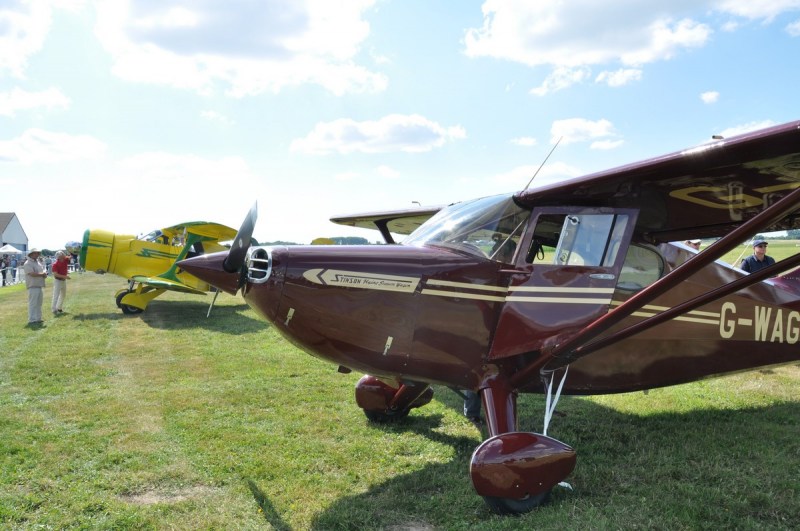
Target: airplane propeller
{"points": [[235, 260]]}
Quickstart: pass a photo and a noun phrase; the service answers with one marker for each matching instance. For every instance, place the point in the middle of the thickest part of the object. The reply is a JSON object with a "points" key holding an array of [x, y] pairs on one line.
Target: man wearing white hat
{"points": [[34, 281]]}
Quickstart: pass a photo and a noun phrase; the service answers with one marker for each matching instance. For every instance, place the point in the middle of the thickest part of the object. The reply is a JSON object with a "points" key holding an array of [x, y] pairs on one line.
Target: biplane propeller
{"points": [[150, 263], [576, 286]]}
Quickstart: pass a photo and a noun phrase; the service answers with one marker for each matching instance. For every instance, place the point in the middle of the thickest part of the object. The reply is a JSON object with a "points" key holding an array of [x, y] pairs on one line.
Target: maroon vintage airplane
{"points": [[575, 284]]}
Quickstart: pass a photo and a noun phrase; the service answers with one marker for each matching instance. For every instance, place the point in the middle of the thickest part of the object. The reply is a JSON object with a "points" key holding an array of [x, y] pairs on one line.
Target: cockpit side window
{"points": [[643, 266], [577, 239]]}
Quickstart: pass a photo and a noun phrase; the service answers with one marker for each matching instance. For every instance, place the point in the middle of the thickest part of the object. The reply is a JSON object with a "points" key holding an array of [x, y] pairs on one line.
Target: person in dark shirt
{"points": [[759, 259]]}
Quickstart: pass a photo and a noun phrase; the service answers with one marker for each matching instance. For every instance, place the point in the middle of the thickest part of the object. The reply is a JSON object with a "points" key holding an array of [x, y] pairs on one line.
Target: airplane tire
{"points": [[126, 309], [383, 417], [510, 506]]}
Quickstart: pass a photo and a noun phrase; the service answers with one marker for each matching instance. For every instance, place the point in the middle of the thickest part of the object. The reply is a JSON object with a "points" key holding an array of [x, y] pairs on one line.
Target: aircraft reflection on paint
{"points": [[149, 262], [574, 286]]}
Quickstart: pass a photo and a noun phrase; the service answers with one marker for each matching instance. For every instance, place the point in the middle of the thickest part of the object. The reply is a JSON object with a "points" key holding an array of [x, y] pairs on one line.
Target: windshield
{"points": [[488, 227], [154, 236]]}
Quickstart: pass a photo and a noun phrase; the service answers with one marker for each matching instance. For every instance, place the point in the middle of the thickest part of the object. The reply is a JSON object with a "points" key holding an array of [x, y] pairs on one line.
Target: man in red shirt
{"points": [[60, 274]]}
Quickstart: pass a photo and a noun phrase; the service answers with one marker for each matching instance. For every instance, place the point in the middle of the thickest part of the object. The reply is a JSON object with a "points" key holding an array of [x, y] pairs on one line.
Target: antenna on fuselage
{"points": [[543, 163]]}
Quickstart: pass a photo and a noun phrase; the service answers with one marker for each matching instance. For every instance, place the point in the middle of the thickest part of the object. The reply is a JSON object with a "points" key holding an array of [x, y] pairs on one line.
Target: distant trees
{"points": [[350, 240], [336, 240]]}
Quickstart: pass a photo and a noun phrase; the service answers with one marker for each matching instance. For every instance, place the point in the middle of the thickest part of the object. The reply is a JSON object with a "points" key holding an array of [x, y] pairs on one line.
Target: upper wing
{"points": [[209, 231], [390, 221], [163, 283], [696, 193]]}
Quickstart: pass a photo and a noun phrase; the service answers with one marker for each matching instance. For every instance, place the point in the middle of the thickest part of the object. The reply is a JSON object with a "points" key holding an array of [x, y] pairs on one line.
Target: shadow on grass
{"points": [[184, 315], [266, 507], [181, 315], [706, 468]]}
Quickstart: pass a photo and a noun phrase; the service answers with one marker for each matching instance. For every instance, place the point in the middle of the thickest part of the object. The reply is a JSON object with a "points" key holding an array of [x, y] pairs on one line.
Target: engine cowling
{"points": [[96, 250]]}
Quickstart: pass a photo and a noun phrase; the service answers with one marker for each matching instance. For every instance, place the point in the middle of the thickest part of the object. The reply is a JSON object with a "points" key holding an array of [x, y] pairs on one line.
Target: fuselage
{"points": [[450, 308], [431, 314]]}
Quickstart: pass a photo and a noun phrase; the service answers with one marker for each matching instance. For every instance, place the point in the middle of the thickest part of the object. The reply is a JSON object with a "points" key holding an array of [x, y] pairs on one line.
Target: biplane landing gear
{"points": [[126, 308], [383, 402]]}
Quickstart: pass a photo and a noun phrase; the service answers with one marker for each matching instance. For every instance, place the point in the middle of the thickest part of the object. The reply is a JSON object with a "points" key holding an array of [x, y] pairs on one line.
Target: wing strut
{"points": [[571, 349], [690, 305]]}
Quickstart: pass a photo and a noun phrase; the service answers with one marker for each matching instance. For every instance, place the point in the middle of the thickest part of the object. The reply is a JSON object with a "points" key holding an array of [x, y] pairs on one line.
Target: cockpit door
{"points": [[566, 277]]}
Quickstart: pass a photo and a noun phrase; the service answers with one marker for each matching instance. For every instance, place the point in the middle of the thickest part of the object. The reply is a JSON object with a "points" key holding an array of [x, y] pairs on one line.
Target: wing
{"points": [[732, 188], [390, 221], [701, 192], [208, 231], [163, 283]]}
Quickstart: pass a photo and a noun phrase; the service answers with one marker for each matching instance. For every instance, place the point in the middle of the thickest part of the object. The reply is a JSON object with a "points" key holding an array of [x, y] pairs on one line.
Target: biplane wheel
{"points": [[383, 417], [511, 506], [126, 308]]}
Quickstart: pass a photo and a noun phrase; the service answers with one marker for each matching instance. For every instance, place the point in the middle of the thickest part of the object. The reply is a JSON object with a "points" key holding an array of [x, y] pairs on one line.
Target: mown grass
{"points": [[171, 420], [778, 249]]}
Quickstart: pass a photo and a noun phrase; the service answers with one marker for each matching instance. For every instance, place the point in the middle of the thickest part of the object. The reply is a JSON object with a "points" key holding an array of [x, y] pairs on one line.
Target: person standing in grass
{"points": [[34, 282], [759, 259], [61, 275]]}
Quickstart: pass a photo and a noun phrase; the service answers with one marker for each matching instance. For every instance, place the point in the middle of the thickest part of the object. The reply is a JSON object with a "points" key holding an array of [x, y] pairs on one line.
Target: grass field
{"points": [[169, 420], [778, 249]]}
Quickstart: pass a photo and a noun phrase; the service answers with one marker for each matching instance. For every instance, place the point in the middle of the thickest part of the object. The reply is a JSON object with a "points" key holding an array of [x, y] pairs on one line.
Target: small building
{"points": [[11, 232]]}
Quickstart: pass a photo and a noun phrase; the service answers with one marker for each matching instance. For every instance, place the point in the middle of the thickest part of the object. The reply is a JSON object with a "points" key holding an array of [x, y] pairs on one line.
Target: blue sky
{"points": [[133, 115]]}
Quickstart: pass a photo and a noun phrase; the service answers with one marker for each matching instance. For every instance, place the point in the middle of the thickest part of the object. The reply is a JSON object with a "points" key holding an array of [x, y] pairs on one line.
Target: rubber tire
{"points": [[127, 309], [509, 506]]}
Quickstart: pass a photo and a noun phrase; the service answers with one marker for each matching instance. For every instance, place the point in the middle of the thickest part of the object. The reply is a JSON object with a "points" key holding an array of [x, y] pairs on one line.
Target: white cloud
{"points": [[385, 172], [757, 9], [39, 146], [580, 130], [22, 100], [214, 116], [525, 141], [730, 26], [257, 47], [184, 171], [127, 209], [23, 28], [347, 176], [396, 132], [620, 77], [710, 97], [572, 34], [569, 36], [561, 78], [793, 29], [745, 128]]}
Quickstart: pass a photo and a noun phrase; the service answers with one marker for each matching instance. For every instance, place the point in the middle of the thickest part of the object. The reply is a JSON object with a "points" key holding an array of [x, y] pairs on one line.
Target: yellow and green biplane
{"points": [[149, 262]]}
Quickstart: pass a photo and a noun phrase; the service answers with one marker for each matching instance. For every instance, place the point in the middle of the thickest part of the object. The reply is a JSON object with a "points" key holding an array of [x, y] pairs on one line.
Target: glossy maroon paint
{"points": [[520, 464], [376, 395], [434, 338], [410, 316]]}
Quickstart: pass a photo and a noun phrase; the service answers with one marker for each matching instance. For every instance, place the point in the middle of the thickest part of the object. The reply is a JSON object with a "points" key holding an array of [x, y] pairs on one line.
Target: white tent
{"points": [[9, 249]]}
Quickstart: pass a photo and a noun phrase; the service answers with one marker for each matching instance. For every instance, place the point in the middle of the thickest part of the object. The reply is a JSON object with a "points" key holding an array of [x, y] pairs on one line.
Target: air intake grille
{"points": [[259, 264]]}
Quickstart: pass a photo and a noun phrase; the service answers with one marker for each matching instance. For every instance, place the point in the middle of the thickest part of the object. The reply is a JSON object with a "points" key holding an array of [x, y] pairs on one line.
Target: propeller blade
{"points": [[241, 243]]}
